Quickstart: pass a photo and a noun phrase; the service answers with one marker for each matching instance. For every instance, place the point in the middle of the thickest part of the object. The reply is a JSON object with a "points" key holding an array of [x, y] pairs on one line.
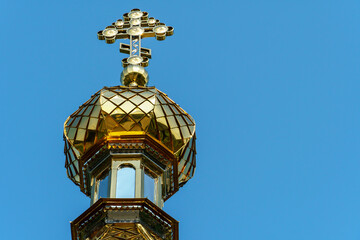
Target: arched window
{"points": [[125, 182], [149, 187]]}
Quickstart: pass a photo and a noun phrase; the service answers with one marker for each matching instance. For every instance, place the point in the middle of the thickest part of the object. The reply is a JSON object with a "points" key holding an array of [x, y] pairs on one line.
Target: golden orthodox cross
{"points": [[135, 26]]}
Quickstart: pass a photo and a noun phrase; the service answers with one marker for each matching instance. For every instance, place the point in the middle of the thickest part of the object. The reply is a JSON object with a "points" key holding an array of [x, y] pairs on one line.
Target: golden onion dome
{"points": [[122, 111]]}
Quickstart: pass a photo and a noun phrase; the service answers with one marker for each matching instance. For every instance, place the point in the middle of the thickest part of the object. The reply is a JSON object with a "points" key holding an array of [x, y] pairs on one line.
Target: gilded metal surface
{"points": [[135, 26], [128, 219], [120, 111], [134, 74], [134, 232]]}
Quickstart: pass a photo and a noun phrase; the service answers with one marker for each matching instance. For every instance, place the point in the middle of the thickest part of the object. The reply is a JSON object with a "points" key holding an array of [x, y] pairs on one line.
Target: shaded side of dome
{"points": [[187, 162], [175, 126], [81, 131]]}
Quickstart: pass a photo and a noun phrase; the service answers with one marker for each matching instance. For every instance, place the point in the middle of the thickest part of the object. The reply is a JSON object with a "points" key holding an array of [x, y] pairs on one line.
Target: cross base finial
{"points": [[134, 75]]}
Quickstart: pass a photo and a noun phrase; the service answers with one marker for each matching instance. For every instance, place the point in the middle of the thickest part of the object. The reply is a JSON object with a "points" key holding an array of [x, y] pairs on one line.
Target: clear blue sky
{"points": [[272, 85]]}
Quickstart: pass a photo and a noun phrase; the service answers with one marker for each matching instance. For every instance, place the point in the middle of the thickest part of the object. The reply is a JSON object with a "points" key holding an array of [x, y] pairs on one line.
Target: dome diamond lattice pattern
{"points": [[120, 110]]}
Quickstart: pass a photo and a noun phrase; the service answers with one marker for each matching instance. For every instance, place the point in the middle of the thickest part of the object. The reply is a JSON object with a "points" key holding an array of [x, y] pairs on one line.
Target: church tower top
{"points": [[129, 148]]}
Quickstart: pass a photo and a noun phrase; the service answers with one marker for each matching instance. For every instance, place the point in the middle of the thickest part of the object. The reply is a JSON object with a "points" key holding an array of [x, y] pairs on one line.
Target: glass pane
{"points": [[117, 100], [80, 136], [118, 115], [146, 106], [192, 128], [137, 100], [84, 122], [108, 107], [187, 120], [93, 123], [158, 111], [161, 100], [137, 114], [71, 133], [137, 90], [180, 120], [145, 122], [75, 122], [96, 111], [172, 122], [125, 185], [77, 178], [146, 94], [152, 100], [88, 110], [108, 94], [127, 123], [167, 110], [127, 107], [162, 125], [185, 132], [149, 187], [174, 109], [127, 94], [94, 100], [103, 187]]}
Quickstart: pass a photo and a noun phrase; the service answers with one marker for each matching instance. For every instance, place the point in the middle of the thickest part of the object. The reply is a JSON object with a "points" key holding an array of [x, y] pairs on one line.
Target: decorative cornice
{"points": [[105, 205]]}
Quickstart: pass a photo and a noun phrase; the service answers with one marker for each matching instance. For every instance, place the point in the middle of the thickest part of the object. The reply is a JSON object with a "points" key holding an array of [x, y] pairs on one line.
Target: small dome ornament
{"points": [[119, 23], [134, 75], [110, 32], [135, 31], [135, 13]]}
